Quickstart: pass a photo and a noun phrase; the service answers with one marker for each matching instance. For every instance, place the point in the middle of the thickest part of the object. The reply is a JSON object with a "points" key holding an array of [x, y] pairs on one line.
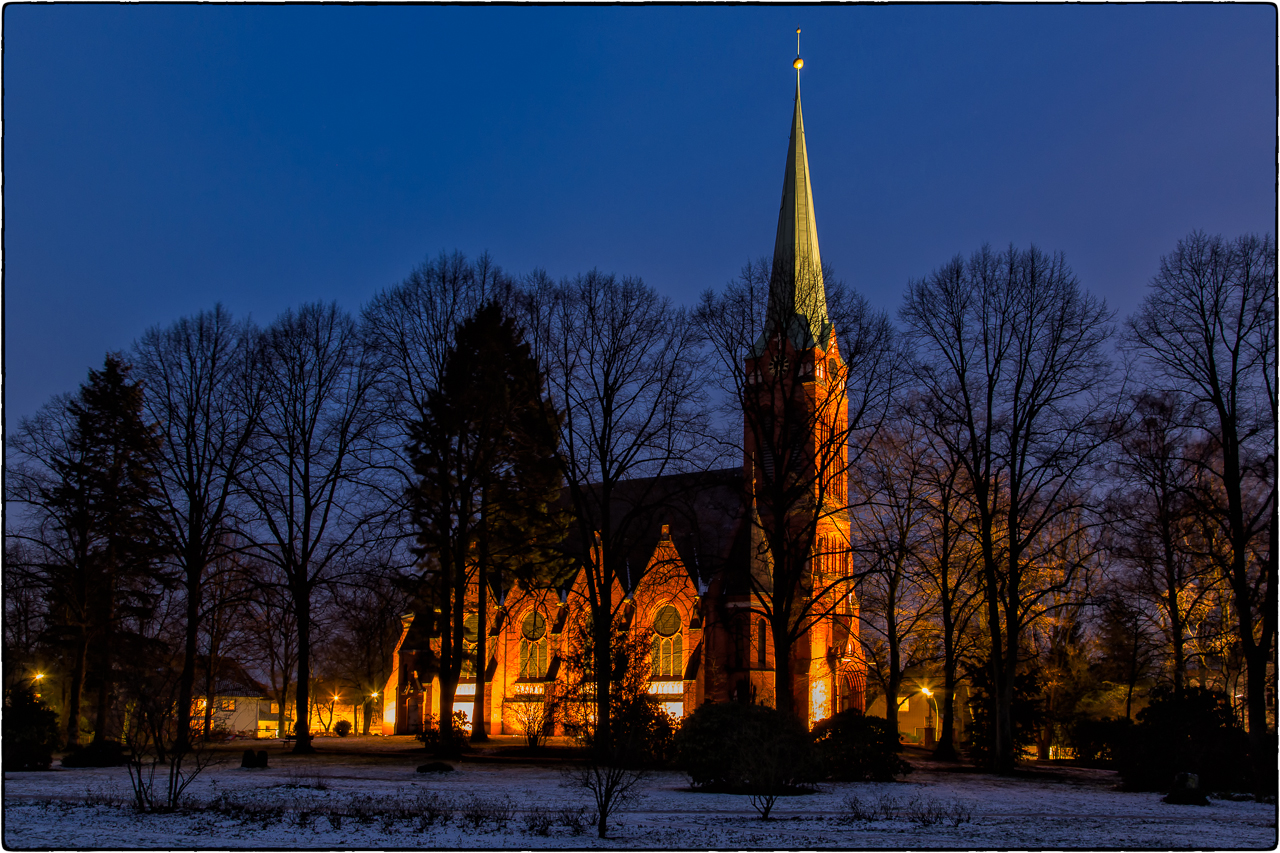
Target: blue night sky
{"points": [[158, 159]]}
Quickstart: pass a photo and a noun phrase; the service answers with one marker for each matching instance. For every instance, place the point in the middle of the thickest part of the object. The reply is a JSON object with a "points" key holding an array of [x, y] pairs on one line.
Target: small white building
{"points": [[241, 705]]}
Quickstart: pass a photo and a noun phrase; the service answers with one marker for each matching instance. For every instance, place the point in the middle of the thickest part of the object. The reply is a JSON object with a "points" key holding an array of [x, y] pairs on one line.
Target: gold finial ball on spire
{"points": [[799, 63]]}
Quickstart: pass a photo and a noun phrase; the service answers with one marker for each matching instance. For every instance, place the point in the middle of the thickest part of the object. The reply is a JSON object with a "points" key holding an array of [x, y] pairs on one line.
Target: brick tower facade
{"points": [[708, 589]]}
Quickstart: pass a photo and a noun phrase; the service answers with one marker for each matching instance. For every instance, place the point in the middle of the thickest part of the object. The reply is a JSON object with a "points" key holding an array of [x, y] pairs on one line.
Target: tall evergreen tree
{"points": [[485, 501], [87, 470]]}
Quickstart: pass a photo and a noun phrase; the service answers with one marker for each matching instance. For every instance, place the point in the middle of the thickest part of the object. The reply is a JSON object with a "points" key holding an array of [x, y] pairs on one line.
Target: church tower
{"points": [[796, 457]]}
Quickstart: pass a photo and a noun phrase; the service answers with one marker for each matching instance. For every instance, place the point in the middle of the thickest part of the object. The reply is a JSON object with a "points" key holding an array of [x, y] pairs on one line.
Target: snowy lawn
{"points": [[364, 793]]}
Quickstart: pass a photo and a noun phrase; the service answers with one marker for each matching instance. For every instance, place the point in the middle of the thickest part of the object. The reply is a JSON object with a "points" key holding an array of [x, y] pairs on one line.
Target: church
{"points": [[700, 577]]}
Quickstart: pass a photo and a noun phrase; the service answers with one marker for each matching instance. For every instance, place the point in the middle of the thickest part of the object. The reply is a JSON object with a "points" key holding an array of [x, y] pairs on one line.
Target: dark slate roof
{"points": [[705, 511], [231, 679]]}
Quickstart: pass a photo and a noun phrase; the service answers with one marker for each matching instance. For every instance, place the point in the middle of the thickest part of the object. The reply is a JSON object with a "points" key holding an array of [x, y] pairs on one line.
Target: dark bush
{"points": [[1195, 732], [851, 747], [435, 767], [1098, 743], [30, 733], [342, 728], [642, 733], [431, 736], [735, 747], [254, 760], [106, 753]]}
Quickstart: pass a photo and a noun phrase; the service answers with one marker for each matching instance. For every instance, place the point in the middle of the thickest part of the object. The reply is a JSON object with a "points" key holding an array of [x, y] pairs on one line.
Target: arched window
{"points": [[533, 646], [470, 633], [668, 644]]}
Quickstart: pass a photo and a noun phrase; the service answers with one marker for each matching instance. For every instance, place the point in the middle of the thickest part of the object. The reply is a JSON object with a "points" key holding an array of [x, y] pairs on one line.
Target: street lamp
{"points": [[933, 730]]}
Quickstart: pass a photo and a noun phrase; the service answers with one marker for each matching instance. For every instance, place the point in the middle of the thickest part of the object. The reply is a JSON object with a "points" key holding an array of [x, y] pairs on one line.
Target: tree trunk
{"points": [[302, 608], [784, 698], [891, 701], [187, 680], [77, 690], [104, 698], [1261, 748], [602, 627], [895, 657], [946, 748], [1006, 754], [479, 718]]}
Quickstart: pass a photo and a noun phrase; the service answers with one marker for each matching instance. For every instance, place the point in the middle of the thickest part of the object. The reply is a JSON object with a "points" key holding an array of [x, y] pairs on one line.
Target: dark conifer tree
{"points": [[87, 470], [484, 505]]}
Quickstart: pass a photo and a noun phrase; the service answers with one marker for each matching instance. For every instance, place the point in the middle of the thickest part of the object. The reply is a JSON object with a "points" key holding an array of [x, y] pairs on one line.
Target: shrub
{"points": [[430, 736], [576, 818], [734, 747], [434, 809], [538, 820], [852, 747], [1098, 742], [478, 811], [1195, 732], [30, 732], [342, 728], [105, 753], [642, 733]]}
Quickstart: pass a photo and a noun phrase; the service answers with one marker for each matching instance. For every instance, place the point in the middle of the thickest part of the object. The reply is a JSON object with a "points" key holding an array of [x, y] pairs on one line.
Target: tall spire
{"points": [[797, 297]]}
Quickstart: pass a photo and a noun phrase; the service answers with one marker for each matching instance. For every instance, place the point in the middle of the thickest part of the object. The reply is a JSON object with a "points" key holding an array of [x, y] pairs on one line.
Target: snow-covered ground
{"points": [[288, 805]]}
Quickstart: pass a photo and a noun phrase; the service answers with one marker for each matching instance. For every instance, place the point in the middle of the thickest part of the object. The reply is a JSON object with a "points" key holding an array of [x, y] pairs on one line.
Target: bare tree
{"points": [[366, 627], [890, 529], [307, 475], [1154, 533], [25, 612], [801, 408], [408, 331], [200, 390], [1208, 330], [1013, 353], [271, 640], [950, 558], [624, 368]]}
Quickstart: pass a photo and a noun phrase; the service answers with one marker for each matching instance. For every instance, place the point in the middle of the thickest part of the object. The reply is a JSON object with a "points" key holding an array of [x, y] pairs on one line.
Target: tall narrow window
{"points": [[761, 653], [533, 646], [668, 645], [470, 632]]}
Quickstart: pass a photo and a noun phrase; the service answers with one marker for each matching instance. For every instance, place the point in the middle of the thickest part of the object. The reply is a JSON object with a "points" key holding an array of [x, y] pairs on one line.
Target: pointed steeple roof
{"points": [[797, 296]]}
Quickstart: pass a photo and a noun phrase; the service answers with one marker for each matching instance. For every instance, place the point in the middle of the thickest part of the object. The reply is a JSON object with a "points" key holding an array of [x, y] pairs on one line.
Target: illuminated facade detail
{"points": [[668, 644], [690, 591], [533, 646]]}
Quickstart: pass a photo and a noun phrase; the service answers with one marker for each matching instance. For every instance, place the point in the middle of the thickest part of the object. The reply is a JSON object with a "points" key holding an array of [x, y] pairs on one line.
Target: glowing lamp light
{"points": [[926, 691], [39, 675]]}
